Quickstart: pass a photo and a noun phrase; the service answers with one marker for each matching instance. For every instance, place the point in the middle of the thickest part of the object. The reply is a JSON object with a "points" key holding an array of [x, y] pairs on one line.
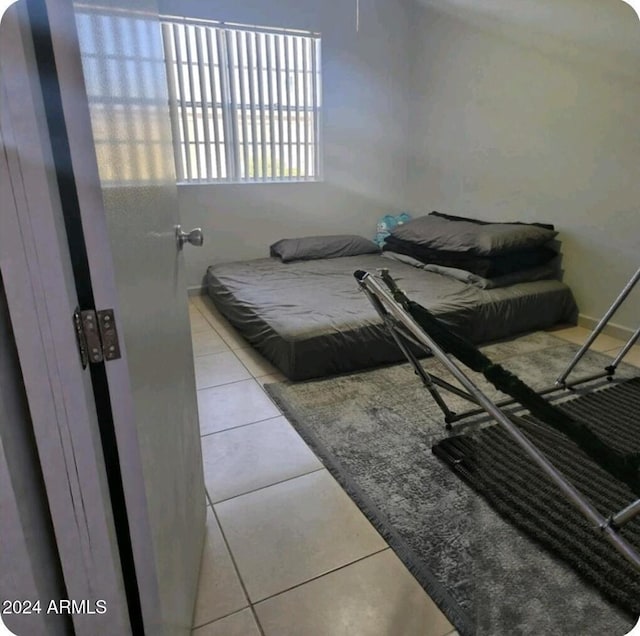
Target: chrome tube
{"points": [[626, 514], [418, 368], [599, 327], [623, 352]]}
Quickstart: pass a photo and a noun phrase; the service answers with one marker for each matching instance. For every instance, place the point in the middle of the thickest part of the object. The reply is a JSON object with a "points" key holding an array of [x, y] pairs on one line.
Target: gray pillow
{"points": [[313, 247], [543, 272], [439, 233]]}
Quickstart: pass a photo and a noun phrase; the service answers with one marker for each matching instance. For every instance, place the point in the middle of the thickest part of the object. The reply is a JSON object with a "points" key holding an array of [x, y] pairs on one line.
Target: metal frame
{"points": [[402, 325], [430, 381], [611, 369]]}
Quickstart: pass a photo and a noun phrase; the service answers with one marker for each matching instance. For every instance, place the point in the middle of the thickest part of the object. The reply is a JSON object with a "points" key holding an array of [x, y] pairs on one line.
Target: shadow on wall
{"points": [[525, 112]]}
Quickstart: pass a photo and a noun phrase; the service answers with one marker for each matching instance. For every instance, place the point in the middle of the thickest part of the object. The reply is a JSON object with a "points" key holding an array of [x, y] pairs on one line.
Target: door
{"points": [[53, 440], [104, 79]]}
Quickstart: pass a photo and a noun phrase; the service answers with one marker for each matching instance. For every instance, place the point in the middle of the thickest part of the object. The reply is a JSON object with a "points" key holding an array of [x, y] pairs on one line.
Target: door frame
{"points": [[29, 560]]}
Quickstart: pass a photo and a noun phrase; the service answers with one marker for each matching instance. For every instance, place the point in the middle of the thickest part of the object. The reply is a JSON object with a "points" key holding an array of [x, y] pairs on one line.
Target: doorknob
{"points": [[195, 237]]}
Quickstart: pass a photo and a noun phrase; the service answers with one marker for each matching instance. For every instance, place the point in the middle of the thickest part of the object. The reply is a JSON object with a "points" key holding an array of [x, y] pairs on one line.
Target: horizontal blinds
{"points": [[245, 102]]}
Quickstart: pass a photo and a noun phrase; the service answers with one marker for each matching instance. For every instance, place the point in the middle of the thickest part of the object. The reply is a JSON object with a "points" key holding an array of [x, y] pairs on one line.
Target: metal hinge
{"points": [[97, 336]]}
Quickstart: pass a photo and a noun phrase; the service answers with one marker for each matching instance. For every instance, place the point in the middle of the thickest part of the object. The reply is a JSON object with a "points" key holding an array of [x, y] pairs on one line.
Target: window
{"points": [[126, 86], [244, 101]]}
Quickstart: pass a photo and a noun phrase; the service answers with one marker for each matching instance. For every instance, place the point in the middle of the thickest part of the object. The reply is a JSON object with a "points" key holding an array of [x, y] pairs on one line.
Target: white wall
{"points": [[531, 111], [365, 116]]}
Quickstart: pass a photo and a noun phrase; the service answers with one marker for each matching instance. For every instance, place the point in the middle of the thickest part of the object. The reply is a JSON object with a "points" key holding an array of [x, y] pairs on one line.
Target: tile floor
{"points": [[287, 552]]}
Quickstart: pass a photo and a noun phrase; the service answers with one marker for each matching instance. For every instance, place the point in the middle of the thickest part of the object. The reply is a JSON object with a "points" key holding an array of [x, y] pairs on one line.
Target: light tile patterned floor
{"points": [[287, 552]]}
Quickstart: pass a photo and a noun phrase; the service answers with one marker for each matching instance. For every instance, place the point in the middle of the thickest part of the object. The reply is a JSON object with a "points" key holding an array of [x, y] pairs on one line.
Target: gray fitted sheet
{"points": [[310, 319]]}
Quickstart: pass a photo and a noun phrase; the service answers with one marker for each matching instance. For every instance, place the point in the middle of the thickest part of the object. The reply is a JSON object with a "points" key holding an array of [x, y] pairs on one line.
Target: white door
{"points": [[112, 124], [60, 416]]}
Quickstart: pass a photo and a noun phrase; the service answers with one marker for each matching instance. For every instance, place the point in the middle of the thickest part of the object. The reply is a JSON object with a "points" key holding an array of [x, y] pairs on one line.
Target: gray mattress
{"points": [[310, 319]]}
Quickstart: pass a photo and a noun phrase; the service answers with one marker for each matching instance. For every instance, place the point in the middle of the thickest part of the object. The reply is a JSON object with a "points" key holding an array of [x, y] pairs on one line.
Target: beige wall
{"points": [[500, 110], [531, 111], [365, 116]]}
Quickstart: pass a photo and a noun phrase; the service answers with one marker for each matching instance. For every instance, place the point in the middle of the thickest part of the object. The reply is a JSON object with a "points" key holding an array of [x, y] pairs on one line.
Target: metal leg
{"points": [[599, 327], [425, 377], [626, 515], [623, 352], [418, 368]]}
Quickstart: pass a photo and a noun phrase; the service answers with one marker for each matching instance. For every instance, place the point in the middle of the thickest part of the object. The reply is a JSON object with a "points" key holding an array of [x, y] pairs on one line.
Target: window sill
{"points": [[250, 183]]}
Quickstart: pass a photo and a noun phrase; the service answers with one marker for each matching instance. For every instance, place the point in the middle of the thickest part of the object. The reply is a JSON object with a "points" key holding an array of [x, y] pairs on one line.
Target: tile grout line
{"points": [[220, 618], [579, 344], [209, 353], [319, 576], [224, 538], [213, 386], [609, 352], [235, 566], [199, 331], [293, 587], [218, 353], [249, 370], [231, 428], [271, 372], [271, 399], [256, 619], [277, 372], [275, 483], [251, 375], [205, 388], [232, 332]]}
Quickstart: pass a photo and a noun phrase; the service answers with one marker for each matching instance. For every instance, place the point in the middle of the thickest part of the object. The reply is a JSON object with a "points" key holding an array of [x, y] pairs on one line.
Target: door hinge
{"points": [[97, 336]]}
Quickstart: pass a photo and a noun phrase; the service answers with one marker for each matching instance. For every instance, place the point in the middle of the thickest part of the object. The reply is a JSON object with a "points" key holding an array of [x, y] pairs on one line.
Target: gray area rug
{"points": [[491, 462], [374, 431]]}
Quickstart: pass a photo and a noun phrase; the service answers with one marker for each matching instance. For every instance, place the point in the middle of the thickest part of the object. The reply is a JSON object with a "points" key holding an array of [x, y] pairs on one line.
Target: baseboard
{"points": [[195, 291], [611, 329]]}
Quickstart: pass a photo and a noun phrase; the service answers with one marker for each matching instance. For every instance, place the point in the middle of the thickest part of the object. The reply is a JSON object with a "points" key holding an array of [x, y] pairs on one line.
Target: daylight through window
{"points": [[245, 101]]}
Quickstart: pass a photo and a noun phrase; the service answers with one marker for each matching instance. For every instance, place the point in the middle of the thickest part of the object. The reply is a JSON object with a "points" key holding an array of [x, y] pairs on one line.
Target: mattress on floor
{"points": [[310, 319]]}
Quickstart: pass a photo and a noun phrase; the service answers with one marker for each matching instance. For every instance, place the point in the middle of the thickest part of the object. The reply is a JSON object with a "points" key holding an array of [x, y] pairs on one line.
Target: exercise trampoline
{"points": [[412, 325]]}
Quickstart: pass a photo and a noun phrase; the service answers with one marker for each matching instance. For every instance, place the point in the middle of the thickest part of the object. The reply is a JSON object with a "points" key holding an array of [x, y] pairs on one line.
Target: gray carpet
{"points": [[374, 431]]}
